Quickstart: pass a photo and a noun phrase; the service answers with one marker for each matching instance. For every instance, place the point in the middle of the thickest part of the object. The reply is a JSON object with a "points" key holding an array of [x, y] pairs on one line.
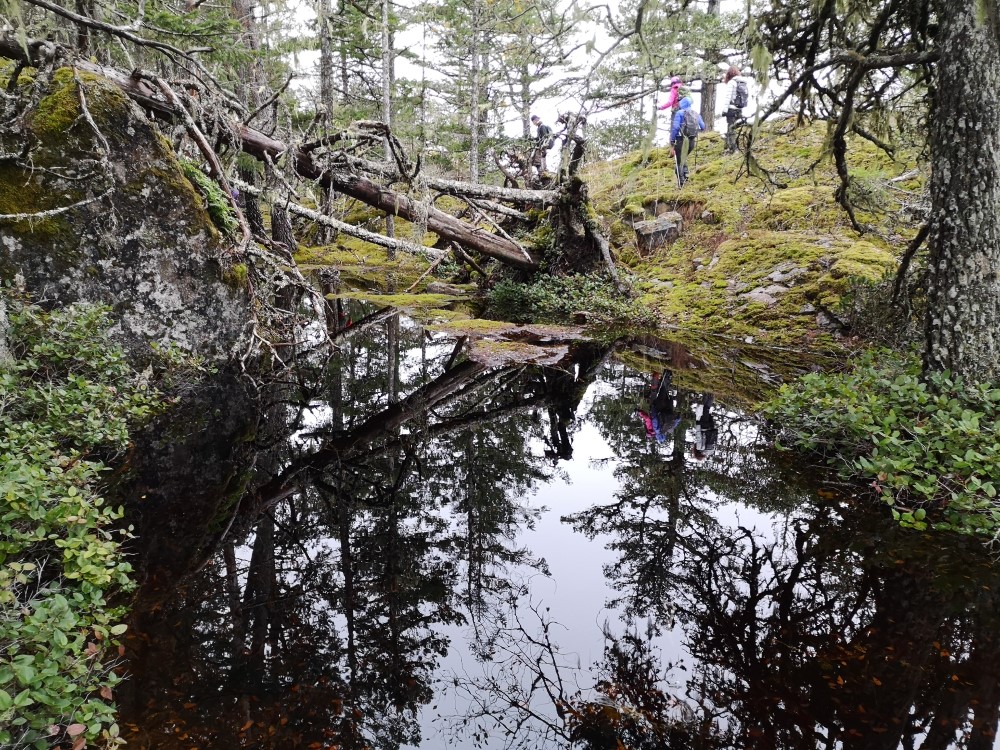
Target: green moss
{"points": [[754, 231], [25, 192], [798, 208], [216, 202], [238, 274], [405, 301], [58, 113], [475, 327]]}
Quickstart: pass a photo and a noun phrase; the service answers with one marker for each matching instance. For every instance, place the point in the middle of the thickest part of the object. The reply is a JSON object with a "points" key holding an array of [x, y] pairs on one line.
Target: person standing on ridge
{"points": [[684, 136], [739, 96], [544, 139]]}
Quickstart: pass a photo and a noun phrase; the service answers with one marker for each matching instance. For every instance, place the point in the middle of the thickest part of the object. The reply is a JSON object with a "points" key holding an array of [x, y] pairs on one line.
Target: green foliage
{"points": [[928, 443], [616, 137], [218, 206], [65, 394], [555, 299]]}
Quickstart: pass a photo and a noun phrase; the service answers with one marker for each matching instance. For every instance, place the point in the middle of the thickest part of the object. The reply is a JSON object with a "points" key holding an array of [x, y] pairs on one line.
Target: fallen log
{"points": [[265, 148]]}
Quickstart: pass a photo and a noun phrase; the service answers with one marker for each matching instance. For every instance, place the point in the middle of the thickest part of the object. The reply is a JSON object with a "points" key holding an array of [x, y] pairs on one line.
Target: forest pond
{"points": [[536, 541]]}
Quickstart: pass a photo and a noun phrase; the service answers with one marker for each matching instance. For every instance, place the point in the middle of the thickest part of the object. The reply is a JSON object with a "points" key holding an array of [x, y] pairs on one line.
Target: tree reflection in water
{"points": [[393, 512], [833, 628], [397, 511]]}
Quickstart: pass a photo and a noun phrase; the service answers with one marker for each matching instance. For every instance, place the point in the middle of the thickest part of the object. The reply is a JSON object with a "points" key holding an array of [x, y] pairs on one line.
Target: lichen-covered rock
{"points": [[105, 215], [655, 233]]}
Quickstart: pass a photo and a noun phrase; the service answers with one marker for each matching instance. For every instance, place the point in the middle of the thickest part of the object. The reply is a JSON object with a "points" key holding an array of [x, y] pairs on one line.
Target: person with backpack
{"points": [[739, 97], [544, 140], [684, 136]]}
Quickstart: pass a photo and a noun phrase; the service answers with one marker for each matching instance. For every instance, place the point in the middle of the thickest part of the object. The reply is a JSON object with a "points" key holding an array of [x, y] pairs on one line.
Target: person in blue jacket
{"points": [[684, 136]]}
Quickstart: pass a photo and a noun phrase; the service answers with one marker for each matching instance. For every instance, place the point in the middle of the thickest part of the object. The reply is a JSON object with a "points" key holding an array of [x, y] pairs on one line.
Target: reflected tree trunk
{"points": [[258, 598]]}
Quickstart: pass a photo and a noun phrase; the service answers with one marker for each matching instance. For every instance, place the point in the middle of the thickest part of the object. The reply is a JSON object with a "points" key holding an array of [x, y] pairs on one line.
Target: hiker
{"points": [[706, 433], [662, 417], [739, 96], [677, 92], [544, 140], [684, 136]]}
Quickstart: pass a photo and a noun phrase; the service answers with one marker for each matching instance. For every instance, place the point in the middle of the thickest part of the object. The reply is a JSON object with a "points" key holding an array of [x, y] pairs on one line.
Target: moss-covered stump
{"points": [[97, 209]]}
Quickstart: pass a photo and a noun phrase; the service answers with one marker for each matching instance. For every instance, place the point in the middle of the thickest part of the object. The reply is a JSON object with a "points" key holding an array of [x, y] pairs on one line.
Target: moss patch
{"points": [[744, 238]]}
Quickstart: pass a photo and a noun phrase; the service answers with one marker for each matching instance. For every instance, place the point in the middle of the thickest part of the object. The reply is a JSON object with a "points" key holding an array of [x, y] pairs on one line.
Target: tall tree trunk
{"points": [[708, 85], [474, 95], [525, 96], [324, 12], [345, 73], [387, 79], [963, 313]]}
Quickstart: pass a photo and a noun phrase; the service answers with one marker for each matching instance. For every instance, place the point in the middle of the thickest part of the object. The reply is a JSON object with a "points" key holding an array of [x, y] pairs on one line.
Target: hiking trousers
{"points": [[683, 148], [733, 116]]}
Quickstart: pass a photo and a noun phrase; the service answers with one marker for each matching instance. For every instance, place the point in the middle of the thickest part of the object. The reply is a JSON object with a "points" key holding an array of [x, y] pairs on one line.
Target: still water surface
{"points": [[599, 553]]}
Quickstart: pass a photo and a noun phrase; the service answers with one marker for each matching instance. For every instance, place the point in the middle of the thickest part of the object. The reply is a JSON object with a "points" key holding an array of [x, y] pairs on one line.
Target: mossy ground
{"points": [[753, 229], [741, 233], [363, 265]]}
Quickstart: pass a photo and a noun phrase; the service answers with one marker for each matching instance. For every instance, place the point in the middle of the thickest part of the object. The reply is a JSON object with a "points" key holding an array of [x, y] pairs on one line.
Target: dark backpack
{"points": [[741, 96], [546, 138], [689, 125]]}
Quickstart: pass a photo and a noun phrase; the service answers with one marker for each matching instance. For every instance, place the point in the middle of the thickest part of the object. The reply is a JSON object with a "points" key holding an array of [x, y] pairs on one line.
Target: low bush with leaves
{"points": [[928, 443], [65, 396], [560, 299]]}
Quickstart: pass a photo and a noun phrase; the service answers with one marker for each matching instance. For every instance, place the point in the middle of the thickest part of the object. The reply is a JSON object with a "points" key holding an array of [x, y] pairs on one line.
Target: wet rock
{"points": [[655, 233], [439, 287]]}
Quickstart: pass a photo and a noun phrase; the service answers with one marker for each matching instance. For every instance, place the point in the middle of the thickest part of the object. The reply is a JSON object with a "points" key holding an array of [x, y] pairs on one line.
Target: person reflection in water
{"points": [[706, 433], [662, 417]]}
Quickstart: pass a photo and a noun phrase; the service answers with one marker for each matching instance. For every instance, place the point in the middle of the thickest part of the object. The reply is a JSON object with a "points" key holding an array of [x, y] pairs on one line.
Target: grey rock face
{"points": [[130, 232], [655, 233]]}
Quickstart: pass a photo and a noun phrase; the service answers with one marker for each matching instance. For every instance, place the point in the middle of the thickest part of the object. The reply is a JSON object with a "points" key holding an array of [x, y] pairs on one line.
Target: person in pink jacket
{"points": [[677, 92]]}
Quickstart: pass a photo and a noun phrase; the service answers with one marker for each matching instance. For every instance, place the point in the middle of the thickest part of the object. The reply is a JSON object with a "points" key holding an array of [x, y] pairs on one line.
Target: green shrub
{"points": [[559, 299], [65, 395], [927, 443]]}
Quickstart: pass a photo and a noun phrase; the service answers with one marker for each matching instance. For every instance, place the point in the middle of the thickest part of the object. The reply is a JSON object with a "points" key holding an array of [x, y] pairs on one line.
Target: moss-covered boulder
{"points": [[97, 209]]}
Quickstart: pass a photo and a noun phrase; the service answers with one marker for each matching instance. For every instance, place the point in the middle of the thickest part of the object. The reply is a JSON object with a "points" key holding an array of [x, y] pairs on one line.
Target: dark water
{"points": [[443, 549]]}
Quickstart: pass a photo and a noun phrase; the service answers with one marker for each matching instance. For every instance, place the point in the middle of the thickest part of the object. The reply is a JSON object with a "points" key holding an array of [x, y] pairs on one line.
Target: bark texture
{"points": [[963, 319]]}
